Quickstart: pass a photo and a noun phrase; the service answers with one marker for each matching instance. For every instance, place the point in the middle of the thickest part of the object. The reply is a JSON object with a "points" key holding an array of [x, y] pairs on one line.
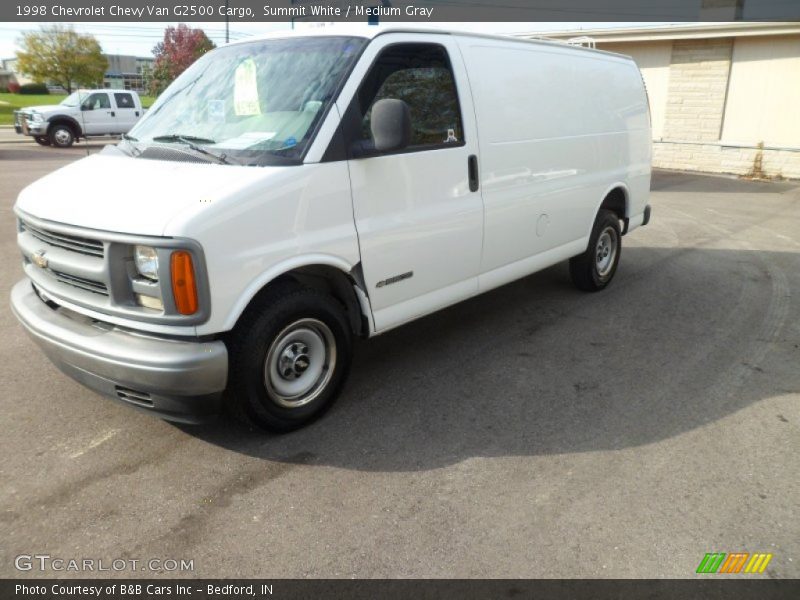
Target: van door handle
{"points": [[472, 171], [111, 112]]}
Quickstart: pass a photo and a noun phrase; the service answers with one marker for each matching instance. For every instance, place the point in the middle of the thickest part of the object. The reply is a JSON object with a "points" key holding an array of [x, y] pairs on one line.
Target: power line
{"points": [[144, 32]]}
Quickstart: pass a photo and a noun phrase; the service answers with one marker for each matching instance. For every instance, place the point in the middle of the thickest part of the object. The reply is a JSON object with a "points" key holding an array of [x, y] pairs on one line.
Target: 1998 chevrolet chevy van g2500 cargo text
{"points": [[285, 195]]}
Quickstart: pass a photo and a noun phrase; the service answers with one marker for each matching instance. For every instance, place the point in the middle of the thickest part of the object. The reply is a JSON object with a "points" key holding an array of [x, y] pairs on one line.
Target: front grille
{"points": [[97, 287], [62, 240], [134, 396], [168, 153]]}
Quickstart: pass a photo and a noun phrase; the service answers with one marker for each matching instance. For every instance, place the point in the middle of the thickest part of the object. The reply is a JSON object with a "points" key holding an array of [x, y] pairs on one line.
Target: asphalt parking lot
{"points": [[535, 431]]}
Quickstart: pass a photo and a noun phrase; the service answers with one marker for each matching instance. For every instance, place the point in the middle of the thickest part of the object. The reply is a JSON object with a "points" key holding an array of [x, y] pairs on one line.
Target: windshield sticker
{"points": [[216, 111], [251, 138], [290, 142], [245, 90], [451, 136]]}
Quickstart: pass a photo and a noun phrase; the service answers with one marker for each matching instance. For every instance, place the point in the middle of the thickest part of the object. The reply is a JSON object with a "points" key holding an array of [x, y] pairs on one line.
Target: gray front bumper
{"points": [[179, 380]]}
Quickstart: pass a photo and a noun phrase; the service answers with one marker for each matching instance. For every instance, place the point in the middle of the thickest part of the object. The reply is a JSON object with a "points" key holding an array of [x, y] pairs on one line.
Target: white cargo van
{"points": [[286, 195]]}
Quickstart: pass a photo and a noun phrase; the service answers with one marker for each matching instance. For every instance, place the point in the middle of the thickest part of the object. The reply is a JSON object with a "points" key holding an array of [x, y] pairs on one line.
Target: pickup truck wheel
{"points": [[594, 269], [61, 136], [42, 140], [289, 357]]}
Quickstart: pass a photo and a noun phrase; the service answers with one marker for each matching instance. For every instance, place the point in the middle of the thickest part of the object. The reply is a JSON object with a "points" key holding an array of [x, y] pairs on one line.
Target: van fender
{"points": [[290, 264], [626, 211]]}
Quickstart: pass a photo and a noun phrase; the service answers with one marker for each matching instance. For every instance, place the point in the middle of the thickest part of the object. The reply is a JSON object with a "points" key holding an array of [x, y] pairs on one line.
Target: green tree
{"points": [[60, 55]]}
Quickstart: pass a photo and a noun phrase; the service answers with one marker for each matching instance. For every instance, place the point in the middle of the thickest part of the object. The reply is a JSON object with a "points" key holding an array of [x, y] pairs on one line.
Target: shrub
{"points": [[34, 88], [13, 87]]}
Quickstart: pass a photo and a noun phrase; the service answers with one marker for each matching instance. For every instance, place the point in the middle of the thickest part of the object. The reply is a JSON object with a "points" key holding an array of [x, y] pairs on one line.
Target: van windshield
{"points": [[258, 103]]}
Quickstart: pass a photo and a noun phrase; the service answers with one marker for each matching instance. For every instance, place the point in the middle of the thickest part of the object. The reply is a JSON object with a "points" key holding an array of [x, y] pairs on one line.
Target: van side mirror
{"points": [[390, 125]]}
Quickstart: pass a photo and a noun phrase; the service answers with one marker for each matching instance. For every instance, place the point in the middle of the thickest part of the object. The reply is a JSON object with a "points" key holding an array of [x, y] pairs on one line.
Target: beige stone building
{"points": [[724, 97]]}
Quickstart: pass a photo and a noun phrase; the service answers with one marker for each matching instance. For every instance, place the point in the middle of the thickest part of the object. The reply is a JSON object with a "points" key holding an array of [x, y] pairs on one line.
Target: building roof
{"points": [[675, 31]]}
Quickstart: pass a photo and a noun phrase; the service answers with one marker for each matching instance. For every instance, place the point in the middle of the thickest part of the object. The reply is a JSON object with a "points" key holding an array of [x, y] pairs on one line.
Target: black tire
{"points": [[593, 270], [61, 136], [42, 140], [275, 331]]}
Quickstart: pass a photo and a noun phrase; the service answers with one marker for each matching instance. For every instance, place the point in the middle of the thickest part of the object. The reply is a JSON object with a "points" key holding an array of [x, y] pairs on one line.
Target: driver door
{"points": [[97, 115], [418, 214]]}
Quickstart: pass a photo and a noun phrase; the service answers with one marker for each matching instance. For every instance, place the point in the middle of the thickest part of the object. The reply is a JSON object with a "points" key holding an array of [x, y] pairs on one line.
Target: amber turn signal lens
{"points": [[184, 287]]}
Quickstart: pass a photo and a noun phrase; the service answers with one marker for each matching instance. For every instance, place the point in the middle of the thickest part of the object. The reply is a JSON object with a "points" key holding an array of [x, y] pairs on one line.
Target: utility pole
{"points": [[227, 18]]}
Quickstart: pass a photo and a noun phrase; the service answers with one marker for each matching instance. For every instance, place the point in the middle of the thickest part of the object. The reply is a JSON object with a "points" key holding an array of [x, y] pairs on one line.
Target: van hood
{"points": [[118, 193]]}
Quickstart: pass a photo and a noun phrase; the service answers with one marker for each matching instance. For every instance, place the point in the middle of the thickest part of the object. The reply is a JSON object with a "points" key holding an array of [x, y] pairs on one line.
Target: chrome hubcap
{"points": [[300, 363], [606, 251], [293, 361], [62, 136]]}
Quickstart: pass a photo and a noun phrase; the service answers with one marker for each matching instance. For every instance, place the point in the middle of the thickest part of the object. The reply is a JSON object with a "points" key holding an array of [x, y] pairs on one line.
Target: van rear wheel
{"points": [[593, 270], [289, 357]]}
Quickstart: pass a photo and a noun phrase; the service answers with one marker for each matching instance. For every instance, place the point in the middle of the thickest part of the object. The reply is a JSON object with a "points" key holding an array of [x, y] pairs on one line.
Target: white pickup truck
{"points": [[82, 114], [286, 195]]}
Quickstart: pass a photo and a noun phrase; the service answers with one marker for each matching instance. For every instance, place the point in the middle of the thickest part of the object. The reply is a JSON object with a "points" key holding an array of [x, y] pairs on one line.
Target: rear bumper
{"points": [[177, 380], [646, 218], [639, 220]]}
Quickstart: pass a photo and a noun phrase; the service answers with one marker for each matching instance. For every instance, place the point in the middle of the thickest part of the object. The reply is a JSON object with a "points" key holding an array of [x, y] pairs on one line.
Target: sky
{"points": [[139, 38]]}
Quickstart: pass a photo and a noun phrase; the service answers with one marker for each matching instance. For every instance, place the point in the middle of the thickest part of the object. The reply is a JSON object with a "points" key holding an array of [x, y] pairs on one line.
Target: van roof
{"points": [[372, 31]]}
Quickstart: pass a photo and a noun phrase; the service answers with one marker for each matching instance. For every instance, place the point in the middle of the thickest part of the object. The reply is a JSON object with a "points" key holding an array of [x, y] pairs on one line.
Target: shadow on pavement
{"points": [[685, 182], [538, 368]]}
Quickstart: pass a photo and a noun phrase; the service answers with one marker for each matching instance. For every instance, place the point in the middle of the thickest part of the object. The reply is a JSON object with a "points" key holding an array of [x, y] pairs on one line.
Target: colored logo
{"points": [[736, 562]]}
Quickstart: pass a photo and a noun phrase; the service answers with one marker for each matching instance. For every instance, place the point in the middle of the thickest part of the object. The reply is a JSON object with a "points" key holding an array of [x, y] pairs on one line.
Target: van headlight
{"points": [[146, 260], [37, 117]]}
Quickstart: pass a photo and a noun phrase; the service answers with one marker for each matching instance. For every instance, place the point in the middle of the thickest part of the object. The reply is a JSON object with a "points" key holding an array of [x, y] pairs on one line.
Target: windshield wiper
{"points": [[189, 140], [135, 151], [192, 141]]}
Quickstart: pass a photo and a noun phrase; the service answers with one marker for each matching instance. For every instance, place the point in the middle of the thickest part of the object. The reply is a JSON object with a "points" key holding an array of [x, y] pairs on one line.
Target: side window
{"points": [[421, 76], [97, 101], [124, 100]]}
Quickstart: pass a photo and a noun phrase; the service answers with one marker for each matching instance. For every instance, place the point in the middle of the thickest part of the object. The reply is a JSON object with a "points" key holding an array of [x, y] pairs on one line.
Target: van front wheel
{"points": [[594, 269], [288, 358]]}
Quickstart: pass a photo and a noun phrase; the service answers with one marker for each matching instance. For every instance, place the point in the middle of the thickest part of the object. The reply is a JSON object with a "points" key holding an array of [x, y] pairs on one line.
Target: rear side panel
{"points": [[558, 127]]}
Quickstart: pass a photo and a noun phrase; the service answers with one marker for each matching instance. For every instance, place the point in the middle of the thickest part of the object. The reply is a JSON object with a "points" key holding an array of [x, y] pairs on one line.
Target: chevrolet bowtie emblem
{"points": [[39, 259]]}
